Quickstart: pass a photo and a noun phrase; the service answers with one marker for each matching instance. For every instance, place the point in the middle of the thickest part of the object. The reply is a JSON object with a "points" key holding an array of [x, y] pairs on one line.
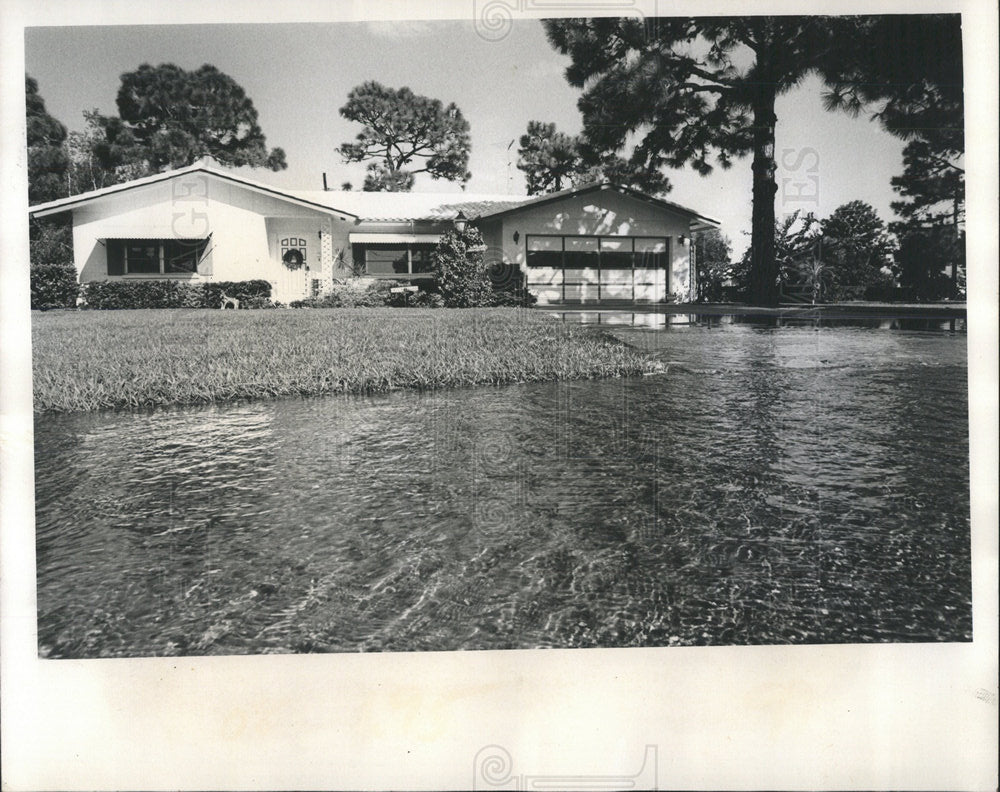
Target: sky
{"points": [[299, 75]]}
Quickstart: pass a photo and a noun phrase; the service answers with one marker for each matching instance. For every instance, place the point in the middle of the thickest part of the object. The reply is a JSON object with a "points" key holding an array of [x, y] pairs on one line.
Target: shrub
{"points": [[513, 299], [53, 286], [510, 284], [358, 293], [50, 241], [115, 295], [251, 293], [426, 299], [460, 269]]}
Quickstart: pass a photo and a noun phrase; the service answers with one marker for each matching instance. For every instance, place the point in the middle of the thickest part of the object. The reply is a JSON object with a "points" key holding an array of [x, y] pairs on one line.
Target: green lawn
{"points": [[119, 359]]}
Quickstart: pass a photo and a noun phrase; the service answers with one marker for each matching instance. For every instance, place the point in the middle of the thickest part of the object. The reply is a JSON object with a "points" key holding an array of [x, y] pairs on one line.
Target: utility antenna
{"points": [[510, 173]]}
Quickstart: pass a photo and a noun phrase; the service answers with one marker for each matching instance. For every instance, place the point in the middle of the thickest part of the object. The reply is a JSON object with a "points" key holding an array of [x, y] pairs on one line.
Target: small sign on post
{"points": [[399, 289]]}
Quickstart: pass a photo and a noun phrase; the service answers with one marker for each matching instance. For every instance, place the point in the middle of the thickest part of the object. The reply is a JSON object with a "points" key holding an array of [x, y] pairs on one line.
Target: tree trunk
{"points": [[763, 267]]}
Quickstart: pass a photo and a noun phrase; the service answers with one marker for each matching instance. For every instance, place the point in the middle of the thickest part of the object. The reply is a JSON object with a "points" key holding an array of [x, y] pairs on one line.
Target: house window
{"points": [[420, 258], [396, 260], [182, 255], [385, 260], [297, 244], [142, 258], [592, 252], [155, 256]]}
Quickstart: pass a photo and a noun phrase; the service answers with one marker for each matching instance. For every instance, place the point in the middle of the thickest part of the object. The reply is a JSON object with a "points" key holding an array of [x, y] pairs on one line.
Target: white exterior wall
{"points": [[244, 227], [599, 213], [247, 224]]}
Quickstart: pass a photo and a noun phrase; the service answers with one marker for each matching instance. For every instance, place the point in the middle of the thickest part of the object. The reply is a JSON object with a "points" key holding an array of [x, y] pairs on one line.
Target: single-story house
{"points": [[590, 244]]}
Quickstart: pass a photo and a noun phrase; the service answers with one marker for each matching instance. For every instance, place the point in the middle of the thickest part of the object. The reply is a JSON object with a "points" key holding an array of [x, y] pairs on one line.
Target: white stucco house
{"points": [[593, 244]]}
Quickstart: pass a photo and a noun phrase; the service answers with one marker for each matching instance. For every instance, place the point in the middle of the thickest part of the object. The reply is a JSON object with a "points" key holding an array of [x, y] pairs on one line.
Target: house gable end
{"points": [[601, 193], [184, 185]]}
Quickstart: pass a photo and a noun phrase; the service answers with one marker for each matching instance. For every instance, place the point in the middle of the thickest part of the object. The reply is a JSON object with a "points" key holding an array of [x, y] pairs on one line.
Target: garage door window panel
{"points": [[545, 251], [650, 253], [590, 268], [616, 253]]}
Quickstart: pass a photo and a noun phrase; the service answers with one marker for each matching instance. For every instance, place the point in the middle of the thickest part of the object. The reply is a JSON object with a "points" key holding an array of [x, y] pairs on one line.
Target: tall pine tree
{"points": [[404, 134], [549, 158], [907, 71], [175, 117], [699, 92], [553, 160]]}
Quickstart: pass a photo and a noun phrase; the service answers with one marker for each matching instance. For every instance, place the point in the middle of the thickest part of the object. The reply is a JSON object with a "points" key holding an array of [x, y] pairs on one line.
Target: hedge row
{"points": [[366, 293], [53, 286], [111, 295]]}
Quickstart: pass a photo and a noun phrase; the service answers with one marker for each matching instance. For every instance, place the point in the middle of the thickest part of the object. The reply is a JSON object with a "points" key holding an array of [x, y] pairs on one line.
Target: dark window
{"points": [[142, 258], [386, 260], [183, 255], [581, 253], [651, 252], [422, 261], [395, 260], [544, 251], [155, 256], [544, 258], [616, 253]]}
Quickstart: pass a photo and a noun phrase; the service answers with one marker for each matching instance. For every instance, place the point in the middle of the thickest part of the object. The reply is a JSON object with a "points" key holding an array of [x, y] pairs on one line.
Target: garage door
{"points": [[590, 269]]}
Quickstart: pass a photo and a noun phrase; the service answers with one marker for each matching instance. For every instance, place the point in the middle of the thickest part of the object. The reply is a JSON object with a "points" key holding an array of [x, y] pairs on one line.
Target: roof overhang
{"points": [[75, 201], [695, 217], [700, 223]]}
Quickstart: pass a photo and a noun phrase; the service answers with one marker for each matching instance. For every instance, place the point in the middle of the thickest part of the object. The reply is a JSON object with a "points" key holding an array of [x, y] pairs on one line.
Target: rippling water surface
{"points": [[775, 485]]}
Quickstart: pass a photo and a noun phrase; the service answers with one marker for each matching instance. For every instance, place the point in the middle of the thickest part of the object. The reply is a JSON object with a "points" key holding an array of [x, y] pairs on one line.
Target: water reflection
{"points": [[804, 317], [795, 484]]}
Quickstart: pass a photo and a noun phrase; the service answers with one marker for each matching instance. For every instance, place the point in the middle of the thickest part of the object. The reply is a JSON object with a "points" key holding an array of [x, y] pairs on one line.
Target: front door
{"points": [[293, 252]]}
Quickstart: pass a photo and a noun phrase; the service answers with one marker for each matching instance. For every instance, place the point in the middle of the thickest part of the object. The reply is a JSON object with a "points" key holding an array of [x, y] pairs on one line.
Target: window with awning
{"points": [[155, 256], [394, 260]]}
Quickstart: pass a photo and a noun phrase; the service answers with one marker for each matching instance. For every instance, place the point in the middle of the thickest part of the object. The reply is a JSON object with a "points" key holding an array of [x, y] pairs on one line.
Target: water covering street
{"points": [[777, 484]]}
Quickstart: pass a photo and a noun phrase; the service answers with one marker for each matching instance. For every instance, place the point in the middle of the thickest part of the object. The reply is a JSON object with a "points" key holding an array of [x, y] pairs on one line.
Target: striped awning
{"points": [[155, 231], [395, 239]]}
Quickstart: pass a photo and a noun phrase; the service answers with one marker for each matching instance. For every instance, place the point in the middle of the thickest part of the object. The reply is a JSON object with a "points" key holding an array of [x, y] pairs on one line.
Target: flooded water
{"points": [[777, 484]]}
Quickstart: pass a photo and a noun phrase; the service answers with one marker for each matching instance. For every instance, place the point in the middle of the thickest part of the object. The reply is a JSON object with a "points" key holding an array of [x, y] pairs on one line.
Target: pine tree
{"points": [[552, 160], [548, 158], [697, 91], [402, 130], [856, 247], [906, 71], [175, 117]]}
